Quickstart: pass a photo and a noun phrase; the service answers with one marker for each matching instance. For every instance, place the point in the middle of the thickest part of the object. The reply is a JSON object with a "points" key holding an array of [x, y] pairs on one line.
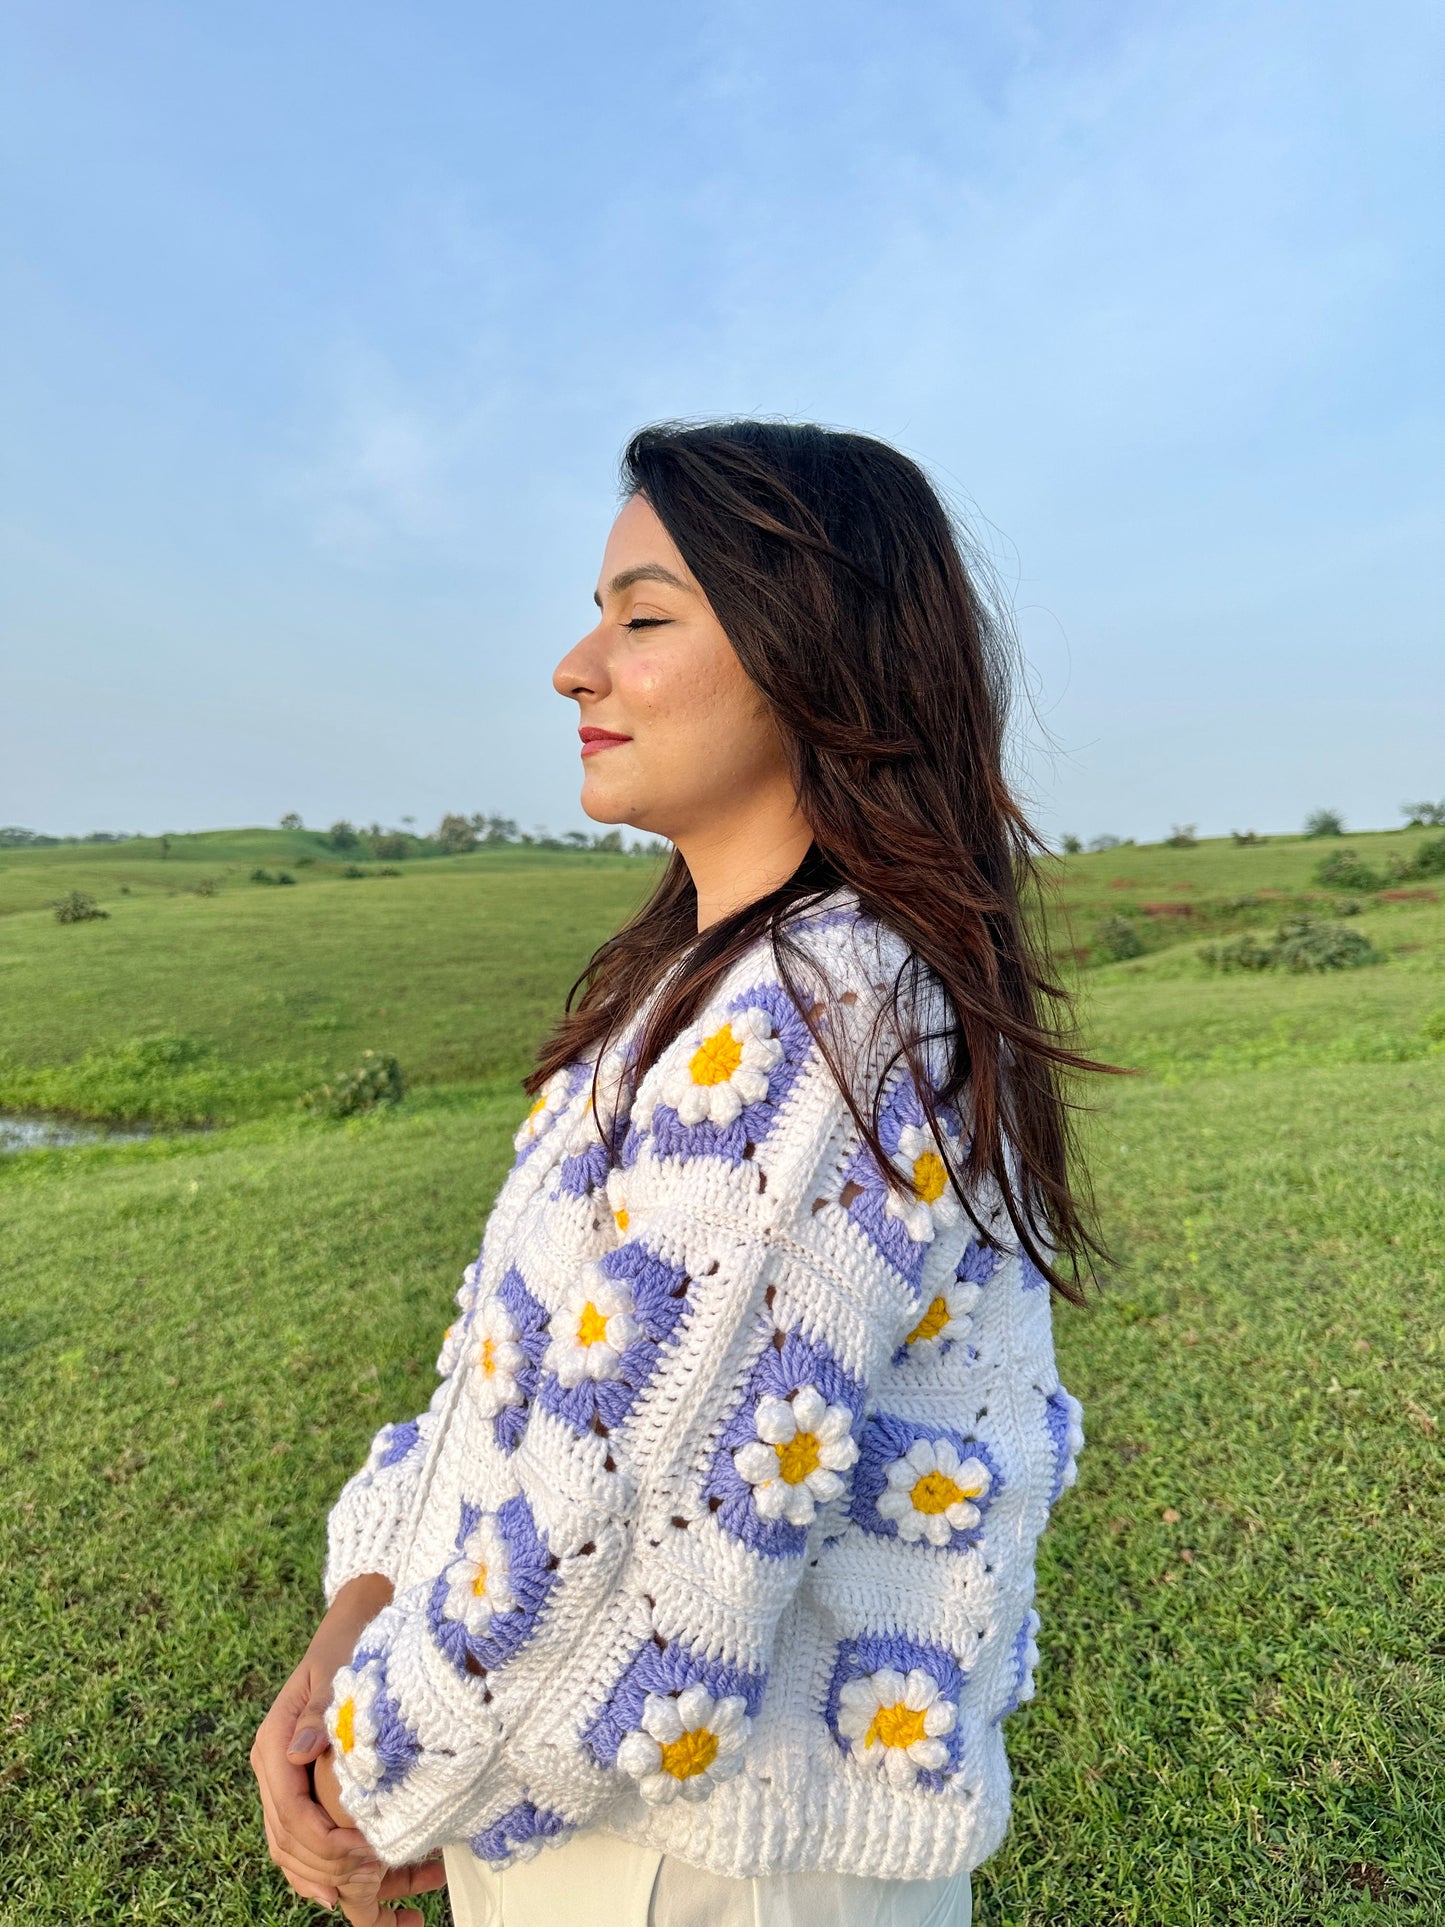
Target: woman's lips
{"points": [[596, 739]]}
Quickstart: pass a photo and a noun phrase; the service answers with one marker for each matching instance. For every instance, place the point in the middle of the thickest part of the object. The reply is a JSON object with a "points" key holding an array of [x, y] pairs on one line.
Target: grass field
{"points": [[1241, 1712]]}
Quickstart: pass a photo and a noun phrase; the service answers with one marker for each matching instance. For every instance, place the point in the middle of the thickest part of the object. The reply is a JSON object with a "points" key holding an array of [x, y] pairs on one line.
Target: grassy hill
{"points": [[1241, 1708]]}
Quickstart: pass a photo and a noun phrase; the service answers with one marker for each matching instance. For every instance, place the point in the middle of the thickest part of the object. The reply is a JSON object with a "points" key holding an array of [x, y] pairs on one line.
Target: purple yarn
{"points": [[1019, 1667], [518, 1826], [403, 1439], [397, 1746], [1030, 1277], [887, 1437], [530, 1318], [801, 1361], [978, 1263], [1057, 1419], [532, 1574], [664, 1669], [869, 1653], [659, 1301]]}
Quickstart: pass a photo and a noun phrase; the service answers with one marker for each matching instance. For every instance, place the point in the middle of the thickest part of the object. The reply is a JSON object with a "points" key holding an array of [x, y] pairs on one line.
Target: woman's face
{"points": [[675, 738]]}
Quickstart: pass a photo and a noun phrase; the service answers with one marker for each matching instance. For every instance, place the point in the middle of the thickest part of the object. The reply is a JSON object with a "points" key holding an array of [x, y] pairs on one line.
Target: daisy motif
{"points": [[931, 1492], [725, 1071], [617, 1200], [351, 1722], [544, 1113], [380, 1448], [686, 1745], [802, 1445], [498, 1359], [592, 1330], [896, 1722], [933, 1200], [946, 1317], [479, 1581]]}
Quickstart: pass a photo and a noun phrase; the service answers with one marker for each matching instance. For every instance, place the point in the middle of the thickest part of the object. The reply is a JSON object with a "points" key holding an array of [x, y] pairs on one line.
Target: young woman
{"points": [[702, 1588]]}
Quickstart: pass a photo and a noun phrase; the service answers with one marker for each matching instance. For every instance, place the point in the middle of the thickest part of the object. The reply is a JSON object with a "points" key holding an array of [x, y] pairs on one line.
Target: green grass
{"points": [[1240, 1714]]}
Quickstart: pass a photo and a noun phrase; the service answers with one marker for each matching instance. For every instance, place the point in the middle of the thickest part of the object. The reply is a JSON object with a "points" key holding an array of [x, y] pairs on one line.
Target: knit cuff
{"points": [[369, 1527]]}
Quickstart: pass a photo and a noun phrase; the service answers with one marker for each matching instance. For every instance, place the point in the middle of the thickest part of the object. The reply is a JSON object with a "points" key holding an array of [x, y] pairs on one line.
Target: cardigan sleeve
{"points": [[605, 1629], [367, 1527]]}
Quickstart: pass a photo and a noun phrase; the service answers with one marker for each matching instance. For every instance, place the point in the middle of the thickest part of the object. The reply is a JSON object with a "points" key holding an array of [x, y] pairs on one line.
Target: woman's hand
{"points": [[319, 1853], [363, 1896]]}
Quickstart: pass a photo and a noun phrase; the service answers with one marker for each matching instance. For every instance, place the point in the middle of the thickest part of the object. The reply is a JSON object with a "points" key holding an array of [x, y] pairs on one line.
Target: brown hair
{"points": [[841, 582]]}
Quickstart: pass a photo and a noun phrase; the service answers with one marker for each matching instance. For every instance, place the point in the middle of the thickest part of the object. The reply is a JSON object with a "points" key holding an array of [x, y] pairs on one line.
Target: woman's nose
{"points": [[581, 671]]}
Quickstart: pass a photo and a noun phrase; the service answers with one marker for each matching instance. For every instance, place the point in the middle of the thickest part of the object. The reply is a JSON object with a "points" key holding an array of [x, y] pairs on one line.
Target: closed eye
{"points": [[646, 622]]}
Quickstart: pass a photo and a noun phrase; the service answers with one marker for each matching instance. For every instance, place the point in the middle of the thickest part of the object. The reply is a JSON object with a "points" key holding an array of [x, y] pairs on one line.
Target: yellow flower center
{"points": [[716, 1057], [936, 1492], [798, 1457], [487, 1362], [694, 1753], [896, 1725], [622, 1218], [346, 1725], [479, 1584], [592, 1325], [535, 1112], [931, 1323], [930, 1177]]}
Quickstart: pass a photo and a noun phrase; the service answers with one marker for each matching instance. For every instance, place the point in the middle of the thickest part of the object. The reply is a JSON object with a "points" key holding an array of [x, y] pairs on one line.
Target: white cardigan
{"points": [[718, 1533]]}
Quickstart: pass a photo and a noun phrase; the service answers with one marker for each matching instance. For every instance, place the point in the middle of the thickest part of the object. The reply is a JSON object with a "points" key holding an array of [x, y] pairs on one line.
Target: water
{"points": [[21, 1133]]}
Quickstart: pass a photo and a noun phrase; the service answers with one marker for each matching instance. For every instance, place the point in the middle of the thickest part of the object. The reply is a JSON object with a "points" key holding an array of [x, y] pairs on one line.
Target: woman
{"points": [[709, 1567]]}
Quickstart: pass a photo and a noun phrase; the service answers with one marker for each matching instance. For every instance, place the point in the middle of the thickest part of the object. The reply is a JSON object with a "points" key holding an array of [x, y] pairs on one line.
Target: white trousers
{"points": [[597, 1880]]}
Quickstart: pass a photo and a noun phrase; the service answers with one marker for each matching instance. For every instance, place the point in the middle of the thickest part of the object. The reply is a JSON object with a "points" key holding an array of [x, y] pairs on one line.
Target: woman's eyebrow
{"points": [[644, 572]]}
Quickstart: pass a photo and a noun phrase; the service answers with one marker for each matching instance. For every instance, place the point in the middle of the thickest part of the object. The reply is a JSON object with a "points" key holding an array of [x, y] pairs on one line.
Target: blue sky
{"points": [[322, 328]]}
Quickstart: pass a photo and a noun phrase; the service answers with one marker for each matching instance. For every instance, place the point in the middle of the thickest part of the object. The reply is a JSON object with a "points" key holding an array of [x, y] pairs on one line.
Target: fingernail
{"points": [[302, 1742]]}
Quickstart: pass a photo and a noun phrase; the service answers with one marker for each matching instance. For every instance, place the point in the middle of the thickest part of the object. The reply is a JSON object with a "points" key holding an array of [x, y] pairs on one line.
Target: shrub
{"points": [[377, 1079], [1305, 944], [205, 887], [1183, 836], [1244, 838], [390, 845], [1346, 871], [1422, 816], [1430, 857], [290, 821], [77, 906], [354, 870], [1301, 944], [1324, 823], [1348, 907], [259, 875], [1100, 843], [342, 836], [1071, 845], [1247, 902], [1116, 938], [388, 870]]}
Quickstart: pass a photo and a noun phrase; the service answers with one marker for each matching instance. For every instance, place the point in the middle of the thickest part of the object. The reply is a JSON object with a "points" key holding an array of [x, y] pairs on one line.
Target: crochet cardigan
{"points": [[718, 1532]]}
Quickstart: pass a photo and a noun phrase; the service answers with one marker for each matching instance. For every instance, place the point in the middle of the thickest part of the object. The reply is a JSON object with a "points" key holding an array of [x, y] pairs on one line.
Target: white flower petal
{"points": [[920, 1690], [756, 1462], [659, 1789], [771, 1499], [940, 1718], [775, 1421], [661, 1718], [931, 1754], [639, 1755], [810, 1408], [694, 1707]]}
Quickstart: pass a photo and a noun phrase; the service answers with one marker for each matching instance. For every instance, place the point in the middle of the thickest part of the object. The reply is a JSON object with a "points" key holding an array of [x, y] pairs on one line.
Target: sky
{"points": [[322, 329]]}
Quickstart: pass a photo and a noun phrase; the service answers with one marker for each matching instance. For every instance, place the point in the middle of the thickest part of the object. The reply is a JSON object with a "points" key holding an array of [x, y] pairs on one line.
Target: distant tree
{"points": [[77, 906], [1183, 836], [409, 821], [610, 840], [342, 836], [1098, 843], [1422, 816], [388, 846], [165, 846], [291, 821], [455, 835], [576, 840], [1071, 845], [1243, 838], [1324, 823]]}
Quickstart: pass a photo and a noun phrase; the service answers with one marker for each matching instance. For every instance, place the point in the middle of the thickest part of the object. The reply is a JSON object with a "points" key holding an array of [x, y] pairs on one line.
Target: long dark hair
{"points": [[841, 582]]}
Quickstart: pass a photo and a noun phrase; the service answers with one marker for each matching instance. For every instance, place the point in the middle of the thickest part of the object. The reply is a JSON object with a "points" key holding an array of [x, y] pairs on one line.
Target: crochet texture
{"points": [[718, 1532]]}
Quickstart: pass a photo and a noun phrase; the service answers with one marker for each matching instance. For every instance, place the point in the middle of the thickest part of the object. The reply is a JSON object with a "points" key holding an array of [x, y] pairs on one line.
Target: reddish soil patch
{"points": [[1123, 883], [1410, 896], [1167, 909]]}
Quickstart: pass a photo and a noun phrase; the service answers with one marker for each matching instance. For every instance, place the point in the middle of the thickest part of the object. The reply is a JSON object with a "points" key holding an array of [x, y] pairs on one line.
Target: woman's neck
{"points": [[735, 863]]}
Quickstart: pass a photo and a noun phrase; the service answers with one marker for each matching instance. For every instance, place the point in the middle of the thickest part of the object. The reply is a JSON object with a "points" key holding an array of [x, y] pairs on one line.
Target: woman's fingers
{"points": [[301, 1832], [418, 1879], [325, 1896]]}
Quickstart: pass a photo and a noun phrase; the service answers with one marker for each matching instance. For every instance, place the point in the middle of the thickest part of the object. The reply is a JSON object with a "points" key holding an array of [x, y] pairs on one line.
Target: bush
{"points": [[390, 845], [455, 835], [1301, 944], [1324, 823], [290, 821], [1348, 907], [1183, 836], [1346, 871], [1429, 860], [205, 887], [1116, 938], [1422, 816], [342, 836], [376, 1080], [1247, 902], [77, 906], [1071, 845], [1098, 844], [388, 870], [355, 870], [1245, 838], [265, 876]]}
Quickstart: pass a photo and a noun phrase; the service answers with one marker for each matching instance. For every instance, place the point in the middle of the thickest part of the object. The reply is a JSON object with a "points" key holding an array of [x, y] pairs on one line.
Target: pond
{"points": [[19, 1132]]}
